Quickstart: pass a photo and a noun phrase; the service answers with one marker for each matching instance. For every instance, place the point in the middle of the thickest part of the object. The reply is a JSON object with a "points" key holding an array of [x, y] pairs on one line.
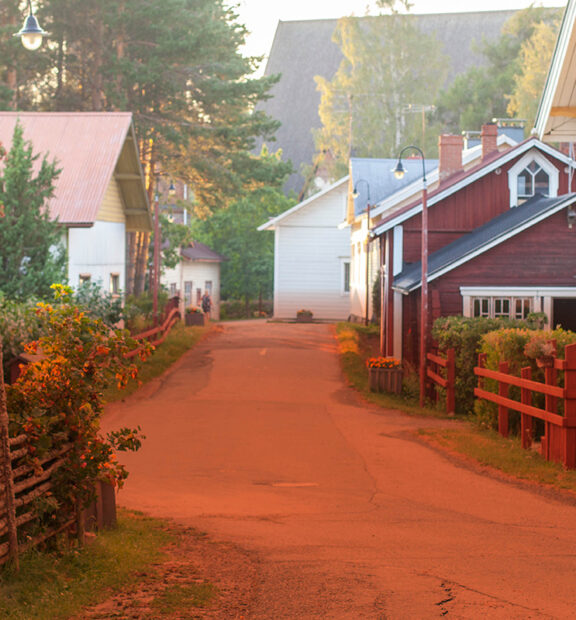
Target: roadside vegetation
{"points": [[472, 438], [60, 583]]}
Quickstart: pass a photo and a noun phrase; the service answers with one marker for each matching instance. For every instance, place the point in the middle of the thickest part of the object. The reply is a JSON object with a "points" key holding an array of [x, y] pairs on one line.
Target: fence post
{"points": [[451, 381], [569, 447], [503, 367], [6, 471], [526, 421]]}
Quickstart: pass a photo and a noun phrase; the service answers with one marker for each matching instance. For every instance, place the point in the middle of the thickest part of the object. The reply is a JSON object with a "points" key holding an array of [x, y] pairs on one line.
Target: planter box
{"points": [[386, 380], [194, 318]]}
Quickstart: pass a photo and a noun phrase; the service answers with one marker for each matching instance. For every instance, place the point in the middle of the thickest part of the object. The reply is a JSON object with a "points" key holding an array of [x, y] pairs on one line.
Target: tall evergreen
{"points": [[32, 257]]}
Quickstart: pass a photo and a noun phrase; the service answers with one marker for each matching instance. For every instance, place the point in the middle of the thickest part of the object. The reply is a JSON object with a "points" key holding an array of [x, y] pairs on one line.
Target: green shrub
{"points": [[237, 309], [508, 345], [463, 334]]}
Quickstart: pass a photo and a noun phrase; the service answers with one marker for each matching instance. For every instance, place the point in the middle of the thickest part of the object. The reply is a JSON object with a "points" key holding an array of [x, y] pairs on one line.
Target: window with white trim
{"points": [[531, 175], [346, 277], [502, 307]]}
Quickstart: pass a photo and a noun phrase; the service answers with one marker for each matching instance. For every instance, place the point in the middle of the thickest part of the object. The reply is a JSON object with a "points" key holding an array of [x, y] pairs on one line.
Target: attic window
{"points": [[533, 180], [533, 174]]}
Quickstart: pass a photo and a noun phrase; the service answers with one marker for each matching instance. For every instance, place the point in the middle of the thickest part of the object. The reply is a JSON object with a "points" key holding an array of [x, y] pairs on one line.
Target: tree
{"points": [[483, 93], [31, 256], [248, 272], [535, 56], [366, 109]]}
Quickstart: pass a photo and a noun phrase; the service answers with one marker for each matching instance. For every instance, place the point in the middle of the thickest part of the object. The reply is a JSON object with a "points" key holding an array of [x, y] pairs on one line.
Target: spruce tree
{"points": [[31, 254]]}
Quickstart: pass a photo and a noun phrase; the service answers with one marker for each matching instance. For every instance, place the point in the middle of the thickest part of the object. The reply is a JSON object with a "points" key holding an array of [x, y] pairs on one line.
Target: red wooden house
{"points": [[502, 242]]}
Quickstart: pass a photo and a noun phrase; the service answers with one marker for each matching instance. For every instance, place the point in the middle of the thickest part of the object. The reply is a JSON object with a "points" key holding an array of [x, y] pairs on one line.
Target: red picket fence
{"points": [[559, 439], [448, 381]]}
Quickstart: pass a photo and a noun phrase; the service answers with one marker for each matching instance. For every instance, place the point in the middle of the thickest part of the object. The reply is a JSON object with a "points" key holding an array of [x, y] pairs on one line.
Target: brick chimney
{"points": [[489, 138], [450, 151]]}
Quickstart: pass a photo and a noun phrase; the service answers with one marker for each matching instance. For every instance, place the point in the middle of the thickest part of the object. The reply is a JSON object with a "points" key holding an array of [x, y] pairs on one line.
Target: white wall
{"points": [[198, 273], [99, 251], [310, 252]]}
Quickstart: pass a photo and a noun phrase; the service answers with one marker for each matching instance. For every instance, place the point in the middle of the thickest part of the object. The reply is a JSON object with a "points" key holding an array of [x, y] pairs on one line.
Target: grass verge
{"points": [[356, 344], [59, 584], [505, 455], [178, 342], [180, 597]]}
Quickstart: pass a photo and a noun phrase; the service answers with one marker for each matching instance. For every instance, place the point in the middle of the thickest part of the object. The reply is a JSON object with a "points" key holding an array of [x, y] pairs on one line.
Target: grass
{"points": [[356, 343], [487, 448], [57, 585], [178, 342], [180, 597]]}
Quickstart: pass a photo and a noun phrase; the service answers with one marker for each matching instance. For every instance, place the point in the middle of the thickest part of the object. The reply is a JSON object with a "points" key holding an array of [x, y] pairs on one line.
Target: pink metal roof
{"points": [[86, 146]]}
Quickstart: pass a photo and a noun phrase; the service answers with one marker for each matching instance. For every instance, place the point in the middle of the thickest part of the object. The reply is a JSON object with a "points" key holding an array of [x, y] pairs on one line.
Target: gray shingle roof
{"points": [[197, 251], [303, 49], [380, 179], [483, 238]]}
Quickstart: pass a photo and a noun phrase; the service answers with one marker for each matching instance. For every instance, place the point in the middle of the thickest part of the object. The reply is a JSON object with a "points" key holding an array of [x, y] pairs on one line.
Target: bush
{"points": [[18, 325], [464, 335], [509, 345], [237, 309]]}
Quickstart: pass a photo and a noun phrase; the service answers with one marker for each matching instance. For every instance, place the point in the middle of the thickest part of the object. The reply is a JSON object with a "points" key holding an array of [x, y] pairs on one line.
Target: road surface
{"points": [[254, 438]]}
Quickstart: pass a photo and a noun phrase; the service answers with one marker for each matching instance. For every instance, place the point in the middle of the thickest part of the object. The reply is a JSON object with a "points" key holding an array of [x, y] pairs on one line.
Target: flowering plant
{"points": [[57, 401], [305, 313], [193, 310], [383, 362]]}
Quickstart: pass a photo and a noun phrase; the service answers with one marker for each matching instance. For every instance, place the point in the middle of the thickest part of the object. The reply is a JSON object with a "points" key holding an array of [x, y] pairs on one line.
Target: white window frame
{"points": [[114, 284], [542, 297], [546, 165]]}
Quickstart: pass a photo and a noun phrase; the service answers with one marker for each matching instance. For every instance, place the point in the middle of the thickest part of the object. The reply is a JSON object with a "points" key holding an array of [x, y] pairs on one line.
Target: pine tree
{"points": [[31, 254]]}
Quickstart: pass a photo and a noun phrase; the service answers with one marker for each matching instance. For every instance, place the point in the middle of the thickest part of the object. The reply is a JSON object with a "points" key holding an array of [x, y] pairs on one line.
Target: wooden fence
{"points": [[23, 486], [559, 413], [447, 365]]}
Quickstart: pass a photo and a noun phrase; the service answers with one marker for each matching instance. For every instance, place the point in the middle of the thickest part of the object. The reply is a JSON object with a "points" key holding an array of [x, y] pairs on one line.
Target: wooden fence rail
{"points": [[559, 439], [448, 381]]}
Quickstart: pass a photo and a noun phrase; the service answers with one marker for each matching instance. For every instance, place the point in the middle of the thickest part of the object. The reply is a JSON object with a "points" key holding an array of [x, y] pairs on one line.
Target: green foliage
{"points": [[58, 399], [512, 346], [365, 107], [98, 303], [18, 325], [31, 256], [176, 65], [138, 310], [483, 93], [231, 309], [535, 56], [248, 271], [464, 335]]}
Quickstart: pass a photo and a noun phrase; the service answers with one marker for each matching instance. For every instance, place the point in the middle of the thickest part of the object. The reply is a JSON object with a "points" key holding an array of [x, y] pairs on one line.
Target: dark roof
{"points": [[482, 239], [302, 50], [380, 180], [197, 251]]}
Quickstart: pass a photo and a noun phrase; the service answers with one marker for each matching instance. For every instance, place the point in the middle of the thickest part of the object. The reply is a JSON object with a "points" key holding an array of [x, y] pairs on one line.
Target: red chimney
{"points": [[489, 138], [450, 151]]}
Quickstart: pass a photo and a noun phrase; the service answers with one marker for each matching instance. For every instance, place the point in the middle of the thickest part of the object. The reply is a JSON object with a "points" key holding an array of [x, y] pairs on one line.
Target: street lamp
{"points": [[355, 194], [31, 33], [399, 174]]}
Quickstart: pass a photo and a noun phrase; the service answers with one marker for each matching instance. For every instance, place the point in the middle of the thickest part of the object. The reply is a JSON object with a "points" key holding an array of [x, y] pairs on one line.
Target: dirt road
{"points": [[254, 439]]}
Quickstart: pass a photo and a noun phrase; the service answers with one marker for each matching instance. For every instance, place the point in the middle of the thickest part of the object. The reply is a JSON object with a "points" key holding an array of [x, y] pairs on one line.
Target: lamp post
{"points": [[399, 173], [31, 34], [156, 257], [355, 194]]}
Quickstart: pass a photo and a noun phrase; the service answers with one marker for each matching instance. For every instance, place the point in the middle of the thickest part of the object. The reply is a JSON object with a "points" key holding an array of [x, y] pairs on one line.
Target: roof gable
{"points": [[493, 233], [461, 180], [273, 222], [90, 148]]}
